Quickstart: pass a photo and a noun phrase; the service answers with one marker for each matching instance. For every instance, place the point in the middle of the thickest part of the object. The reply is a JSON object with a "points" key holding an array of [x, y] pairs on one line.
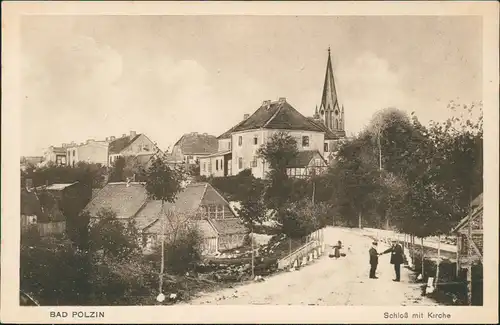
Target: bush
{"points": [[184, 252]]}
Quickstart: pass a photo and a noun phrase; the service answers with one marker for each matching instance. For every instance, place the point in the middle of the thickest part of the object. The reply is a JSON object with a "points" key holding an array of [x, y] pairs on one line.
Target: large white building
{"points": [[316, 136]]}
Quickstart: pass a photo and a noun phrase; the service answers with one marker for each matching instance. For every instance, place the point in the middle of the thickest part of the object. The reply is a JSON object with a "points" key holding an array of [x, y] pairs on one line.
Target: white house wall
{"points": [[248, 150]]}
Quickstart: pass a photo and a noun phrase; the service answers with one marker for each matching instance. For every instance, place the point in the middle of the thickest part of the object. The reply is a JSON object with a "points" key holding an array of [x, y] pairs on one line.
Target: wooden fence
{"points": [[51, 228]]}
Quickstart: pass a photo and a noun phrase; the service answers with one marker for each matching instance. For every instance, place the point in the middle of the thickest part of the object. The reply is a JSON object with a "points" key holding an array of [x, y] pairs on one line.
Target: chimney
{"points": [[107, 139], [124, 135], [266, 103], [205, 134], [282, 100], [29, 183], [245, 116], [112, 138], [132, 134]]}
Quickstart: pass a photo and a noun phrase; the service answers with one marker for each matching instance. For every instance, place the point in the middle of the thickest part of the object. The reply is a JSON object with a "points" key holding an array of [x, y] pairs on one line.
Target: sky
{"points": [[91, 77]]}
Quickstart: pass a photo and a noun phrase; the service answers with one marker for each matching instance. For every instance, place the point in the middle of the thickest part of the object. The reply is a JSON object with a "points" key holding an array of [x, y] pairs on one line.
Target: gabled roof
{"points": [[277, 115], [195, 143], [303, 159], [329, 134], [117, 146], [122, 198]]}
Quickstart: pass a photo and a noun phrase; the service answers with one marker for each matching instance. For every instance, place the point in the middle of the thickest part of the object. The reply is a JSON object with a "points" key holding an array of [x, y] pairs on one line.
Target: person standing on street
{"points": [[373, 260], [396, 258]]}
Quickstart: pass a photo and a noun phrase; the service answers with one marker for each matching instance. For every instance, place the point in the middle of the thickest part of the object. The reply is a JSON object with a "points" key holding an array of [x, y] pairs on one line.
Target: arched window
{"points": [[336, 124]]}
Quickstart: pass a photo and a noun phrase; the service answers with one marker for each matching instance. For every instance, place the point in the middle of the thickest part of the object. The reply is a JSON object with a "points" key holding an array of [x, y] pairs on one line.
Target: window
{"points": [[217, 165], [229, 147], [74, 151], [255, 140], [240, 140], [210, 167], [240, 163], [204, 167], [305, 141], [336, 124], [326, 147], [254, 162], [146, 147], [219, 212]]}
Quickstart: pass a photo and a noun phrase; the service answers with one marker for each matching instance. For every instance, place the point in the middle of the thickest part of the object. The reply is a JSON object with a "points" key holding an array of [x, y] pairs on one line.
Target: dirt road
{"points": [[329, 282]]}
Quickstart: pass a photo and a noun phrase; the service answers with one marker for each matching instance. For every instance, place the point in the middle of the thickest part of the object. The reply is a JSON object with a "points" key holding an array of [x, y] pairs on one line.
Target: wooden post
{"points": [[469, 255], [253, 254], [422, 243], [459, 248], [438, 262]]}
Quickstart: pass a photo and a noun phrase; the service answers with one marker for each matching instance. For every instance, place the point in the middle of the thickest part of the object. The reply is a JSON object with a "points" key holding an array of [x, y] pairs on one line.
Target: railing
{"points": [[312, 249]]}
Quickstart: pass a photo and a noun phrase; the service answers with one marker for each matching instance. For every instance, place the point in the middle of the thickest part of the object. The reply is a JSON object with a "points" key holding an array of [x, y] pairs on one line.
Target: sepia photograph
{"points": [[189, 160]]}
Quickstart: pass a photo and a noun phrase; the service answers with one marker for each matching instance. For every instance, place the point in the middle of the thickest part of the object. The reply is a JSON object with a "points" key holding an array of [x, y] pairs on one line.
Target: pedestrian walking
{"points": [[373, 260], [397, 258]]}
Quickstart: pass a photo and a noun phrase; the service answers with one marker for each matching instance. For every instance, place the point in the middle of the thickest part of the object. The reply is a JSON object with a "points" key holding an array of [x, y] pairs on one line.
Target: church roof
{"points": [[276, 115]]}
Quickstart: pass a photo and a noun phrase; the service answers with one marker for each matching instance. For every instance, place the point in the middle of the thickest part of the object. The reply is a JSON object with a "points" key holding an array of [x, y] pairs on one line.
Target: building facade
{"points": [[319, 135], [89, 152], [56, 155]]}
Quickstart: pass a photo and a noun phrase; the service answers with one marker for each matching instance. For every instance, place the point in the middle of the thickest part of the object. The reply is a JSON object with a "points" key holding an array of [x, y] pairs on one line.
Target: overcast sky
{"points": [[96, 76]]}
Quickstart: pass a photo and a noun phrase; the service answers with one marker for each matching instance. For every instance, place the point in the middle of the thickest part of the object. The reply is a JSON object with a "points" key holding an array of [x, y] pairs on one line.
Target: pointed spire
{"points": [[329, 99], [316, 113]]}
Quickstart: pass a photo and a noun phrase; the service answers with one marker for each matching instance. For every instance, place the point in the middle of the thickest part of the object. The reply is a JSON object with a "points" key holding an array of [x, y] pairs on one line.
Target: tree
{"points": [[117, 170], [278, 152], [252, 212], [111, 236], [163, 183]]}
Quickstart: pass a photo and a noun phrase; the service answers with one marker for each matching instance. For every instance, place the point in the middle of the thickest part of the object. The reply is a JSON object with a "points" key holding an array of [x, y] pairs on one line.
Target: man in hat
{"points": [[373, 260], [396, 258]]}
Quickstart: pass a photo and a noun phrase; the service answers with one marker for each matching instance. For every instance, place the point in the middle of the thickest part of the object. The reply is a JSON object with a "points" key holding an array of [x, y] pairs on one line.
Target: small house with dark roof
{"points": [[192, 146], [317, 135], [305, 164], [198, 204]]}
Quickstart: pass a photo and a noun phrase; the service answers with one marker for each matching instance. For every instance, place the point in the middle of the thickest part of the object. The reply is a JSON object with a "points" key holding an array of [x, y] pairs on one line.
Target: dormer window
{"points": [[255, 140]]}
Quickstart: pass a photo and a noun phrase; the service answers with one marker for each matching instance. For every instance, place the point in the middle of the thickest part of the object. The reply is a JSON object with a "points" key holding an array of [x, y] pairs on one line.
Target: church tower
{"points": [[330, 112]]}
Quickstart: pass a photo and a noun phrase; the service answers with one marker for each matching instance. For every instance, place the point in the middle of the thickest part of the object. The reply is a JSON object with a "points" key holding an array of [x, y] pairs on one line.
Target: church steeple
{"points": [[316, 114], [330, 112]]}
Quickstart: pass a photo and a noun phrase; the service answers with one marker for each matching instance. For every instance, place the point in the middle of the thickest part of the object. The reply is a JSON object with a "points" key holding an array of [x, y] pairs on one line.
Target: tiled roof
{"points": [[195, 143], [277, 115], [229, 226], [116, 146], [303, 158], [329, 134], [125, 200]]}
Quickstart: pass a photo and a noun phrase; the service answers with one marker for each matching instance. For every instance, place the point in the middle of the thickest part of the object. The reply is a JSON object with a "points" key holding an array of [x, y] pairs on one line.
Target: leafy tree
{"points": [[278, 152], [111, 236], [117, 173]]}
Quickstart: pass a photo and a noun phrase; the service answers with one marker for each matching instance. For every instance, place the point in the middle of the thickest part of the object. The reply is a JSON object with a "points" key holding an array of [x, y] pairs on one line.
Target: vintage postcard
{"points": [[240, 162]]}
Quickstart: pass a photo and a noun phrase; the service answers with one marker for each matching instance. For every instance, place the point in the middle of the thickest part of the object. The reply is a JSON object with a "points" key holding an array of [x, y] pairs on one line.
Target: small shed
{"points": [[476, 236]]}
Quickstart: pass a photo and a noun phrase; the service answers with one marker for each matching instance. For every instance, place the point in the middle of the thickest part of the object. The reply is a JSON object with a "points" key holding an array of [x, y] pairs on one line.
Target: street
{"points": [[329, 282]]}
